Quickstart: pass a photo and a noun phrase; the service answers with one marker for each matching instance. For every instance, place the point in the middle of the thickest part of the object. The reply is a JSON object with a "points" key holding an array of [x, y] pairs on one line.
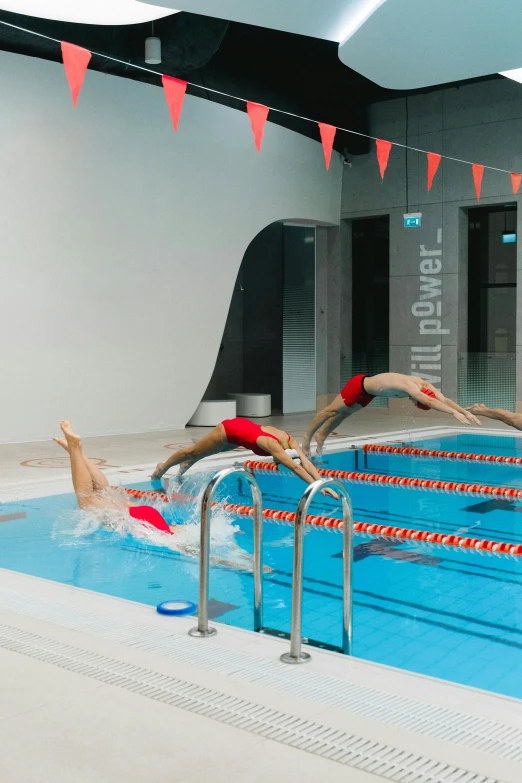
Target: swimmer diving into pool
{"points": [[512, 419], [90, 486], [264, 441], [362, 389]]}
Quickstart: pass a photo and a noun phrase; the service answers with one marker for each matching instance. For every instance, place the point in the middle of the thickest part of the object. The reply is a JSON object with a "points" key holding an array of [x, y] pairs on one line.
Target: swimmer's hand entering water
{"points": [[158, 473], [330, 492]]}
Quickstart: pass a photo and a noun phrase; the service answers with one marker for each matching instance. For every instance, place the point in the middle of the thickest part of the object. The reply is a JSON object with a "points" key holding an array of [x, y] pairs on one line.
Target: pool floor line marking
{"points": [[11, 517]]}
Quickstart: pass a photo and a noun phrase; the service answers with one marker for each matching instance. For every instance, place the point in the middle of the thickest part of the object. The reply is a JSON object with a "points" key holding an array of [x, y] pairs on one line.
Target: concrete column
{"points": [[518, 370], [424, 298], [329, 275]]}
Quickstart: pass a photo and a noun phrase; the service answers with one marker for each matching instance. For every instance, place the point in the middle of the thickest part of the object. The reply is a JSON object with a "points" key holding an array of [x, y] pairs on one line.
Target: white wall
{"points": [[121, 241]]}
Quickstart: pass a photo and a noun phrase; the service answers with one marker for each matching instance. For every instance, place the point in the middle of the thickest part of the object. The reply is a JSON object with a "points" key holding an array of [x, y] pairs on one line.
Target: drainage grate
{"points": [[350, 750], [441, 723]]}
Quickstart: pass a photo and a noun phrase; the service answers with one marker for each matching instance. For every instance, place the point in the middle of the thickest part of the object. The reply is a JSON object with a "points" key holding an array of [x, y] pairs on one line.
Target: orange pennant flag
{"points": [[174, 90], [515, 182], [75, 62], [383, 153], [258, 114], [433, 164], [327, 139], [478, 171]]}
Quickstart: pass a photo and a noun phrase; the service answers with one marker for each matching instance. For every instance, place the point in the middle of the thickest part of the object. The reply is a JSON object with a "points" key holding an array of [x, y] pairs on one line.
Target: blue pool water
{"points": [[450, 613]]}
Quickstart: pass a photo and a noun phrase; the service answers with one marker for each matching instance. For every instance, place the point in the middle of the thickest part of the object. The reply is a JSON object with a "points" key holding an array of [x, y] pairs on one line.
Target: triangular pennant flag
{"points": [[433, 164], [327, 139], [75, 62], [174, 90], [258, 114], [515, 182], [383, 153], [478, 171]]}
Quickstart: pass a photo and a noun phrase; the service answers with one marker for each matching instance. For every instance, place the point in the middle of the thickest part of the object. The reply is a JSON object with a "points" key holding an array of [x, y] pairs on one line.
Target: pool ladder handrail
{"points": [[202, 629], [296, 655]]}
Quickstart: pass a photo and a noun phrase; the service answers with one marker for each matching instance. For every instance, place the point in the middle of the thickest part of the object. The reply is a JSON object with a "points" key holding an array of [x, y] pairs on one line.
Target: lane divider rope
{"points": [[403, 481], [459, 455], [388, 531]]}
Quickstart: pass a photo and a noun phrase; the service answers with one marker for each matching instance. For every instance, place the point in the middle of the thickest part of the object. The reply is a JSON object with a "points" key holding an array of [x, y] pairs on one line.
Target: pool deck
{"points": [[95, 688]]}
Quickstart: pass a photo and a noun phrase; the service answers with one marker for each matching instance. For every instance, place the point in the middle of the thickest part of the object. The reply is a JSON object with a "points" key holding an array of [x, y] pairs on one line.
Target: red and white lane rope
{"points": [[403, 481], [388, 531], [408, 451]]}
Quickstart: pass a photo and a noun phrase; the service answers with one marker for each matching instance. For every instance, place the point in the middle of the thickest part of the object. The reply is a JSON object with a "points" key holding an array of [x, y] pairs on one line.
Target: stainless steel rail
{"points": [[202, 628], [296, 655]]}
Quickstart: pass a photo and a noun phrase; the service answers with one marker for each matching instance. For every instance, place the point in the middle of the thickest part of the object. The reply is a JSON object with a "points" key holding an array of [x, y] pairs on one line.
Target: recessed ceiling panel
{"points": [[111, 12], [329, 19], [410, 44]]}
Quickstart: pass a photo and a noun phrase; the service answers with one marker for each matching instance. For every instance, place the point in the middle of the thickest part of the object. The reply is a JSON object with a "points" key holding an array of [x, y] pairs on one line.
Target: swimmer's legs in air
{"points": [[323, 433], [512, 419], [99, 480], [88, 480], [326, 420], [213, 443]]}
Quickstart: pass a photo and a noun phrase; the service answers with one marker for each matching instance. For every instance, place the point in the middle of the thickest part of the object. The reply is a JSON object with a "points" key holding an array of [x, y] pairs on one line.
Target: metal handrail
{"points": [[202, 628], [296, 655]]}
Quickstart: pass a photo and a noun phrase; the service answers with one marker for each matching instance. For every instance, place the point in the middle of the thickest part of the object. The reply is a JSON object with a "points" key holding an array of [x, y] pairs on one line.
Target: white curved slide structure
{"points": [[121, 243]]}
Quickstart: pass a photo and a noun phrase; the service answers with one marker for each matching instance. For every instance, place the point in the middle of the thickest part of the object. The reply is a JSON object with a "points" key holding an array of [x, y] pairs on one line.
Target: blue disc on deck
{"points": [[178, 608]]}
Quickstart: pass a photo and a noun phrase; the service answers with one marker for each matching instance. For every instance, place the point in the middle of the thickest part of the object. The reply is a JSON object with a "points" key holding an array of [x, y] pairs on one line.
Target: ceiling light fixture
{"points": [[112, 12], [152, 49], [359, 13], [516, 75]]}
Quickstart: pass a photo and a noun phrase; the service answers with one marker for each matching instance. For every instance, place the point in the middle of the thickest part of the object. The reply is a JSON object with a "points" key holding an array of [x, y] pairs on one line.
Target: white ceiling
{"points": [[330, 19], [399, 44], [88, 11]]}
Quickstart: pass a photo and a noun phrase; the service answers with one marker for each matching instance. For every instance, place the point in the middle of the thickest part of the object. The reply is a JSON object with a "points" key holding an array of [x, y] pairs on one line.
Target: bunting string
{"points": [[476, 168]]}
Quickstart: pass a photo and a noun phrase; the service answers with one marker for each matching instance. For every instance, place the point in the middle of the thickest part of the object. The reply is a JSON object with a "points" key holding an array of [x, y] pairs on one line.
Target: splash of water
{"points": [[82, 526]]}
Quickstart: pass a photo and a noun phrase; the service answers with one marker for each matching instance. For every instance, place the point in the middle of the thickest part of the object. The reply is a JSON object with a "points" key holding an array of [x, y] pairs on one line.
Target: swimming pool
{"points": [[446, 612]]}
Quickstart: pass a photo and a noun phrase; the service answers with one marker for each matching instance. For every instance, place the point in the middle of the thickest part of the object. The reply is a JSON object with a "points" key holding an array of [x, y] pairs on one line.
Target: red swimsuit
{"points": [[243, 432], [151, 516]]}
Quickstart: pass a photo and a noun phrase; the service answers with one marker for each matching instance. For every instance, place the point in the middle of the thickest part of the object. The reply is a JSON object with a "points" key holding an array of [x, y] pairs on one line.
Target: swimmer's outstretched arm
{"points": [[306, 471], [416, 394], [454, 405], [512, 419]]}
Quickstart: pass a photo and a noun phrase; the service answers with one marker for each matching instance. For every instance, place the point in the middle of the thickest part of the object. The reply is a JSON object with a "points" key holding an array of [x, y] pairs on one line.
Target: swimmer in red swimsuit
{"points": [[90, 484], [362, 389], [265, 441]]}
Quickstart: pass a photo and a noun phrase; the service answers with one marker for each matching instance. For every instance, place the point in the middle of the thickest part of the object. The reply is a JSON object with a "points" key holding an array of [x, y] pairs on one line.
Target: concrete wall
{"points": [[121, 243], [482, 123]]}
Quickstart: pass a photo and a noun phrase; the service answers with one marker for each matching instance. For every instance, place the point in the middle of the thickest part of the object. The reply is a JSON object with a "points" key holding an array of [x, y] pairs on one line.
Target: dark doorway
{"points": [[487, 369], [492, 279], [250, 358], [370, 295]]}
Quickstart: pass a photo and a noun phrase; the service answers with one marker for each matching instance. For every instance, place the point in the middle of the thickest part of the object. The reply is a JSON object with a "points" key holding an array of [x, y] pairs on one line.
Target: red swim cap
{"points": [[421, 404]]}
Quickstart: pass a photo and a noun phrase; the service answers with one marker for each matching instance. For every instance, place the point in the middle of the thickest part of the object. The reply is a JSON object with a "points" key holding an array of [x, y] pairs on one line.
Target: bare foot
{"points": [[306, 448], [73, 440], [319, 447], [62, 442], [477, 408]]}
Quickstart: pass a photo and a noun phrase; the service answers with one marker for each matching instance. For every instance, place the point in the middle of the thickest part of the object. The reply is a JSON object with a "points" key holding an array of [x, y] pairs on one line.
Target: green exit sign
{"points": [[413, 220]]}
